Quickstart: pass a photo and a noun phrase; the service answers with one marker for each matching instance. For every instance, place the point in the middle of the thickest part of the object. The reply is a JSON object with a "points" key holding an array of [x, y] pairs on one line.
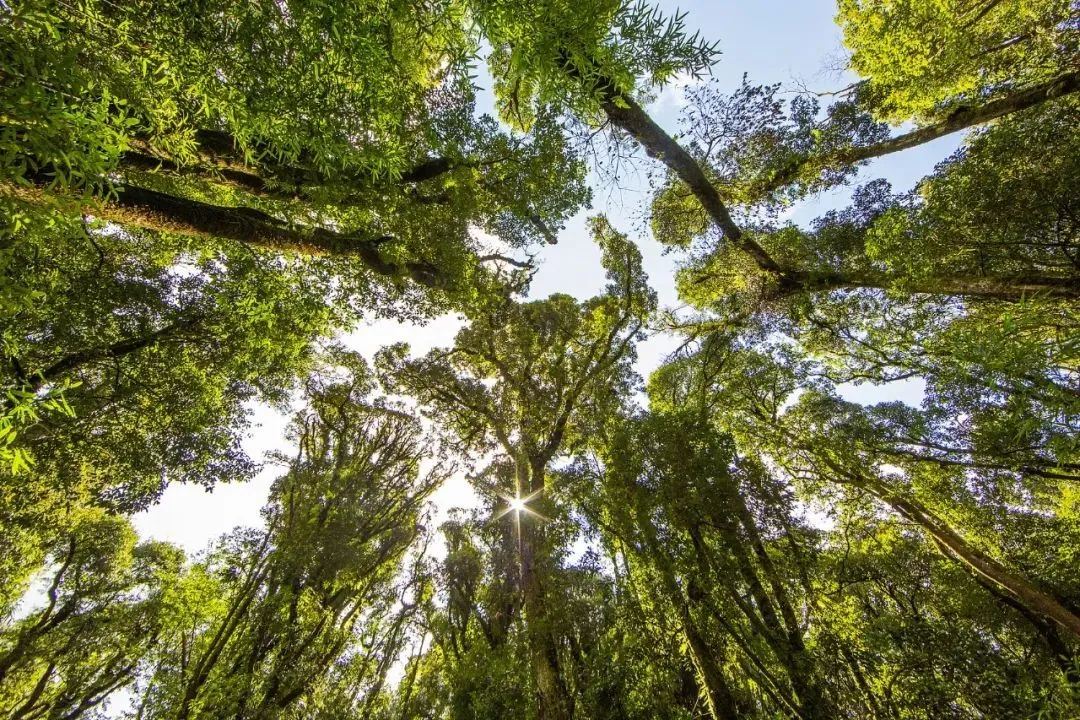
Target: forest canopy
{"points": [[202, 202]]}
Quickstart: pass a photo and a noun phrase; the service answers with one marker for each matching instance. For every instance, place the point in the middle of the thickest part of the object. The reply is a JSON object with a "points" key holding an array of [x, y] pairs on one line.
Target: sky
{"points": [[793, 42]]}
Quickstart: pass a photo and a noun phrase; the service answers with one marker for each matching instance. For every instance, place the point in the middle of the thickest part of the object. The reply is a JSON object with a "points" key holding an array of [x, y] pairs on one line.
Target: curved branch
{"points": [[118, 349]]}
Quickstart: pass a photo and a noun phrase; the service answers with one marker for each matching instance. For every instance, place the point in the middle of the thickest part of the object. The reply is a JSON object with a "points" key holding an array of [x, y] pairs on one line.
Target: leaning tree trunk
{"points": [[1026, 593], [1004, 287], [718, 696], [777, 615], [162, 212]]}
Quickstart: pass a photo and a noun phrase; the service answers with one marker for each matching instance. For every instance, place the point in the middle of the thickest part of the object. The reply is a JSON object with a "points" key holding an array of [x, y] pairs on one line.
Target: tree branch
{"points": [[625, 113], [153, 210], [524, 264], [963, 117], [117, 349]]}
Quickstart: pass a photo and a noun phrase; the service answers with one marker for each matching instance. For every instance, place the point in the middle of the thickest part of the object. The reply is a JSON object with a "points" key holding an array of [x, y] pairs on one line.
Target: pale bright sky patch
{"points": [[673, 95]]}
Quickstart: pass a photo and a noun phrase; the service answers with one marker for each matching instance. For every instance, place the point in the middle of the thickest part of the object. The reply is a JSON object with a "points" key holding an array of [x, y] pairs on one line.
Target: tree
{"points": [[161, 349], [375, 186], [313, 609], [477, 651], [953, 236], [843, 443], [195, 200], [105, 610], [192, 200], [602, 62], [528, 381], [674, 496], [385, 145]]}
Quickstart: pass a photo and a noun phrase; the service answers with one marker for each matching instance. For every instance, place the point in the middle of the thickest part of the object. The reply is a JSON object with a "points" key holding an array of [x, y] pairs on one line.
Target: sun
{"points": [[520, 506]]}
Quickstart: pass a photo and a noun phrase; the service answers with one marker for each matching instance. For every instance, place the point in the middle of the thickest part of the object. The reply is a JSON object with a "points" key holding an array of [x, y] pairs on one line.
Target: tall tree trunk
{"points": [[553, 700], [552, 697], [162, 212], [719, 698], [787, 647], [236, 178], [1064, 656], [159, 211], [222, 152], [1004, 287], [804, 677], [772, 686], [718, 695], [237, 613], [625, 113], [778, 618]]}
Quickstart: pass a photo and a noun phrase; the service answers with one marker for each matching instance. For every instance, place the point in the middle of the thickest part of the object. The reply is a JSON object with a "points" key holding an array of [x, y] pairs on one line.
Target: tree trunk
{"points": [[1063, 656], [777, 615], [237, 613], [225, 151], [1026, 593], [658, 144], [804, 676], [787, 647], [286, 183], [718, 696], [236, 178], [1009, 288], [158, 211], [552, 697], [626, 114]]}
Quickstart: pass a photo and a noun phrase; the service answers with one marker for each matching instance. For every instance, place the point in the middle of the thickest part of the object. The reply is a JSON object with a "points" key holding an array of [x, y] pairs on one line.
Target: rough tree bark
{"points": [[153, 210]]}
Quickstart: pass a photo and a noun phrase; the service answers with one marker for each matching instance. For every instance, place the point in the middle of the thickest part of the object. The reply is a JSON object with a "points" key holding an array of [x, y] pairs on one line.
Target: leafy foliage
{"points": [[926, 58], [197, 199]]}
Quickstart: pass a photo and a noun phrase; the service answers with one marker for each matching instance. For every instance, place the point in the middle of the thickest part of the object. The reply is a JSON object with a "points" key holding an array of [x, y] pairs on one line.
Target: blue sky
{"points": [[793, 42]]}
